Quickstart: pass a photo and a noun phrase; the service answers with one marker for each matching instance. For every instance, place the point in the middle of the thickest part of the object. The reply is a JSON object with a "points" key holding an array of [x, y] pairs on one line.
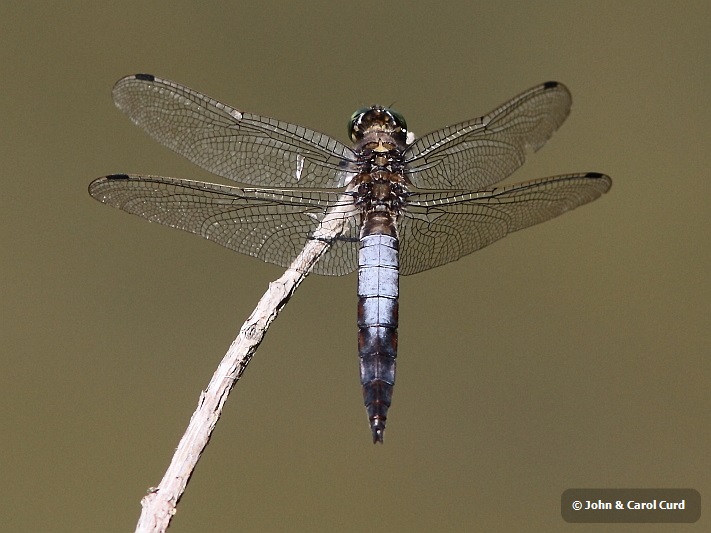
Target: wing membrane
{"points": [[480, 152], [439, 227], [272, 225], [300, 174], [238, 146]]}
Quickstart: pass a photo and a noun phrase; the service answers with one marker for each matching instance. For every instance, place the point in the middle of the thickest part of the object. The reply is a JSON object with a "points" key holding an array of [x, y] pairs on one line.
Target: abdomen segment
{"points": [[377, 325]]}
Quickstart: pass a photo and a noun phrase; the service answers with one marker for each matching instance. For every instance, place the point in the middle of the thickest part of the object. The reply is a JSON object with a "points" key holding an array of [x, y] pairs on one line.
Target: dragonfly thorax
{"points": [[381, 191]]}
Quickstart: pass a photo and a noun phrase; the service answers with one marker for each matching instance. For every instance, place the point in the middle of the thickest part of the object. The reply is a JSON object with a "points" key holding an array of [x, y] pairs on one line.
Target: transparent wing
{"points": [[272, 225], [478, 153], [439, 227], [238, 146]]}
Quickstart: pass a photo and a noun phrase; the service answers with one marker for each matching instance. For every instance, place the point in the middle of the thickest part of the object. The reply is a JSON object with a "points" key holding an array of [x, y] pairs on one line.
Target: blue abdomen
{"points": [[377, 324]]}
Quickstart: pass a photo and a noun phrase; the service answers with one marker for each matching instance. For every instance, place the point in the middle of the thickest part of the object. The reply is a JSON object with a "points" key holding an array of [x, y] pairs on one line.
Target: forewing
{"points": [[478, 153], [439, 227], [239, 146], [272, 225]]}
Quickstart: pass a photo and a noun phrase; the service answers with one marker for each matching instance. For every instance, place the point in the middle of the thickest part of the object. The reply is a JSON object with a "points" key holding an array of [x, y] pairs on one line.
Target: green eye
{"points": [[354, 128], [399, 119], [357, 114]]}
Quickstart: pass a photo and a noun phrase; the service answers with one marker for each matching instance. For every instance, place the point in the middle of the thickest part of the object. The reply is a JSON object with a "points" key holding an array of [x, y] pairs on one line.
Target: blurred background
{"points": [[573, 354]]}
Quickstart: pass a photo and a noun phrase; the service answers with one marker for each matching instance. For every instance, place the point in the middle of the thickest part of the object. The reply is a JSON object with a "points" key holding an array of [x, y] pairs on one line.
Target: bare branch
{"points": [[159, 505]]}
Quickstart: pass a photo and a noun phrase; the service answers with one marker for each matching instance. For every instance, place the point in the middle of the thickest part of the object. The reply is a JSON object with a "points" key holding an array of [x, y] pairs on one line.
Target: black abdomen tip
{"points": [[377, 425]]}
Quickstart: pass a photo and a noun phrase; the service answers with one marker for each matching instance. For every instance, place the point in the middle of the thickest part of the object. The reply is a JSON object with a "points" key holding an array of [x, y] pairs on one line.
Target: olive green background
{"points": [[573, 354]]}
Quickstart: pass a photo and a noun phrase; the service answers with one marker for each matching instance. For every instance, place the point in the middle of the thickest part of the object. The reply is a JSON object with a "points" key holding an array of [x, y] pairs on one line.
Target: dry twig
{"points": [[159, 505]]}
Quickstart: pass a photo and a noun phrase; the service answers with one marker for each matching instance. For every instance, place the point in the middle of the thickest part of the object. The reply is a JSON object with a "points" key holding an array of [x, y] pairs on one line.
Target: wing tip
{"points": [[120, 84], [600, 176], [552, 84]]}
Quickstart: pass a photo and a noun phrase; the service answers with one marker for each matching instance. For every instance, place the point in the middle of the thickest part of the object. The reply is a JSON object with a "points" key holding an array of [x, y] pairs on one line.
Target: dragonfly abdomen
{"points": [[378, 270]]}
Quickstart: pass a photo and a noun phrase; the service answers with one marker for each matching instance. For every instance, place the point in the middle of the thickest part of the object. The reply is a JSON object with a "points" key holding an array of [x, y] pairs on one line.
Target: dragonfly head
{"points": [[377, 119]]}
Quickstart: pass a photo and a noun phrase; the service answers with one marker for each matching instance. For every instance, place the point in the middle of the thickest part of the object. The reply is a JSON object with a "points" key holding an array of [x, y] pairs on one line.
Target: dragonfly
{"points": [[404, 204]]}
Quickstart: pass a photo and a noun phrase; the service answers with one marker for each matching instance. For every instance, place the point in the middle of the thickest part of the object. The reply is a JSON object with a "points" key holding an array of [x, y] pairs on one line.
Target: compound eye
{"points": [[355, 125], [399, 120]]}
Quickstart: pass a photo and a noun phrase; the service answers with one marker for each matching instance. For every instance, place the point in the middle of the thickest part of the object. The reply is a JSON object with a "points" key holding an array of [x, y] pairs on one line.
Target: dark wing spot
{"points": [[145, 77], [117, 177], [550, 84]]}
